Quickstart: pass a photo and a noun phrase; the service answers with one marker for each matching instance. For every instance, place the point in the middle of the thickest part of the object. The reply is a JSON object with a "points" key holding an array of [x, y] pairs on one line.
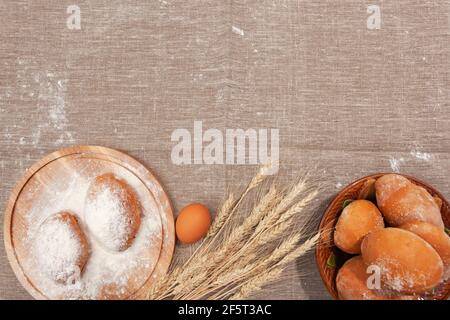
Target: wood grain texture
{"points": [[54, 173], [347, 100]]}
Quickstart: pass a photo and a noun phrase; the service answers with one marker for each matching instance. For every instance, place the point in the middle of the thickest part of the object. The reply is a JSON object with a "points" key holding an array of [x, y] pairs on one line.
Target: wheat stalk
{"points": [[256, 283], [241, 261], [276, 223], [285, 202], [226, 211], [301, 250], [239, 234], [299, 206], [221, 216], [258, 212], [255, 182], [255, 268], [273, 231]]}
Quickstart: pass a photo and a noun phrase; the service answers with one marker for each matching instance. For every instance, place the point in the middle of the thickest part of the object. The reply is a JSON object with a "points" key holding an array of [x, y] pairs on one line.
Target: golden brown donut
{"points": [[112, 212], [387, 185], [356, 220], [401, 201], [351, 281], [408, 264], [436, 237], [61, 248]]}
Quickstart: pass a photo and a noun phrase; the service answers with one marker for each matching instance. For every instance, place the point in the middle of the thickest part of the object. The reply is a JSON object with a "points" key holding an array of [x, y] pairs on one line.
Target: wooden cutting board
{"points": [[49, 181]]}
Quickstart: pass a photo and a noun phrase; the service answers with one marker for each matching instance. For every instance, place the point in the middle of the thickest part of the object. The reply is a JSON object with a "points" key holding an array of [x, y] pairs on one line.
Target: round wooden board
{"points": [[50, 171]]}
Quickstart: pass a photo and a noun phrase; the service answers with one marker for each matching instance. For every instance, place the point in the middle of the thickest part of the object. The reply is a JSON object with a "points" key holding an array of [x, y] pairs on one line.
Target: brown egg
{"points": [[436, 237], [356, 220], [400, 201], [112, 212], [407, 263], [192, 223]]}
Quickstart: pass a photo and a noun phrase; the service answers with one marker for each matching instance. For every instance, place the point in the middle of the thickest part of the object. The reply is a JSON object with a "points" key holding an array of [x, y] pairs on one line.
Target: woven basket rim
{"points": [[327, 274]]}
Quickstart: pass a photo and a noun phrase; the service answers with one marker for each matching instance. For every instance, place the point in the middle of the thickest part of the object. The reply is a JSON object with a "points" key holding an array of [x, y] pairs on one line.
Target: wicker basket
{"points": [[325, 247]]}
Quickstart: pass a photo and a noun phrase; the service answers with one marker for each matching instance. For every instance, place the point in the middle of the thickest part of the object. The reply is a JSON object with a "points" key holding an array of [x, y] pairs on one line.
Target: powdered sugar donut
{"points": [[61, 248], [112, 212]]}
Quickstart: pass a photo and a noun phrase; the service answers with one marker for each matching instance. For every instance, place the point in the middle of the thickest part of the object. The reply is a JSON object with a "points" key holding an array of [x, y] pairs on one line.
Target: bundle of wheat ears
{"points": [[252, 240]]}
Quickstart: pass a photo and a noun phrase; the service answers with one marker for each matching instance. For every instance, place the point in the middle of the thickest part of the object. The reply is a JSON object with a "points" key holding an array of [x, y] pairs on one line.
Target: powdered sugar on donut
{"points": [[107, 219], [106, 274], [57, 250]]}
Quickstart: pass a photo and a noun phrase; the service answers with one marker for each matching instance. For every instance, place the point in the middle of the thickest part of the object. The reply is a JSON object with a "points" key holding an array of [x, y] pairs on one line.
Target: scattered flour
{"points": [[420, 155], [51, 99], [395, 164], [58, 250], [416, 153], [107, 218], [47, 90], [237, 31], [106, 274]]}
